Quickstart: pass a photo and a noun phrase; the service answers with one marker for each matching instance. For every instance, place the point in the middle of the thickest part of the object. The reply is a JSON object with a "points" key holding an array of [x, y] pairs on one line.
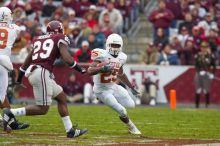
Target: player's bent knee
{"points": [[130, 104]]}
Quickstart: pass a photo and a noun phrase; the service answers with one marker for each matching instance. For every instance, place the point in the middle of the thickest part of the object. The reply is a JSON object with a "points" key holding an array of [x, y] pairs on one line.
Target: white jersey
{"points": [[102, 81], [8, 35]]}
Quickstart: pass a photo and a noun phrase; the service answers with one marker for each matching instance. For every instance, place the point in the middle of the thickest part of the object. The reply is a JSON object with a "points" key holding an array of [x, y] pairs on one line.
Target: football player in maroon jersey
{"points": [[38, 68]]}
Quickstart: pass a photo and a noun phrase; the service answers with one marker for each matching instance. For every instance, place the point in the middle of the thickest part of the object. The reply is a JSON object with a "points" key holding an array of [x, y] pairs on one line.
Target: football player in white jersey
{"points": [[106, 68], [8, 35]]}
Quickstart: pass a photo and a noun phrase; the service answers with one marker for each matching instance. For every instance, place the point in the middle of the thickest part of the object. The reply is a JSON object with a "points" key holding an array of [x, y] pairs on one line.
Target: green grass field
{"points": [[105, 127]]}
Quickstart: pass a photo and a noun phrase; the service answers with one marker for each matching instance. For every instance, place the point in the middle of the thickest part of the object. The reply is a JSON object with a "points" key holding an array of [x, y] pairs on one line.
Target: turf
{"points": [[105, 127]]}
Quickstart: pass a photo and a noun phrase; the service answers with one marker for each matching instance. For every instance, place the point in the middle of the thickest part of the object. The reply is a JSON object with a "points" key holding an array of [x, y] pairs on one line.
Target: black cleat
{"points": [[76, 132], [9, 121]]}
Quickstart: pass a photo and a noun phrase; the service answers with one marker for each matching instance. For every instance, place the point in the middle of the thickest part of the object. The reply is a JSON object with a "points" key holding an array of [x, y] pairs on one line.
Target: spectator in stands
{"points": [[24, 53], [99, 36], [90, 20], [149, 90], [83, 7], [93, 12], [175, 7], [73, 20], [37, 5], [67, 30], [151, 55], [76, 38], [205, 69], [168, 56], [187, 52], [207, 24], [213, 40], [71, 4], [175, 44], [48, 9], [161, 18], [116, 19], [105, 27], [195, 16], [83, 54], [201, 10], [188, 23], [184, 34], [18, 45], [18, 14], [101, 5], [73, 89], [161, 39], [13, 4], [196, 33], [29, 11], [93, 43], [85, 29]]}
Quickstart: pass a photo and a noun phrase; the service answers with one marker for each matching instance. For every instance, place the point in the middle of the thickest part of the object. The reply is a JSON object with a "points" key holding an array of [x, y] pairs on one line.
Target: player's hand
{"points": [[83, 70], [211, 76], [135, 92], [107, 68], [202, 73], [18, 86]]}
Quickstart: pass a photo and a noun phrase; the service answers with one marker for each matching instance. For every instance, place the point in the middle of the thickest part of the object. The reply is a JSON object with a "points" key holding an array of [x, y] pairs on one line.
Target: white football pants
{"points": [[117, 98], [4, 83]]}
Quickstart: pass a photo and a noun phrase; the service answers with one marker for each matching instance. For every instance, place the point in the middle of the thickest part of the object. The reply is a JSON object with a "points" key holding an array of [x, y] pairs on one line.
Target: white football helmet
{"points": [[5, 15], [114, 44]]}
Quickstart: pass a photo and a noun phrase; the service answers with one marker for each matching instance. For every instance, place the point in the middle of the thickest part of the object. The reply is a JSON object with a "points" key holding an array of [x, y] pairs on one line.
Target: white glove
{"points": [[202, 73], [211, 76]]}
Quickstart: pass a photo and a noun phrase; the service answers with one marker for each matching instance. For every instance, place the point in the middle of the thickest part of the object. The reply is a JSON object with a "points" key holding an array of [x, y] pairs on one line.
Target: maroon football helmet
{"points": [[55, 27]]}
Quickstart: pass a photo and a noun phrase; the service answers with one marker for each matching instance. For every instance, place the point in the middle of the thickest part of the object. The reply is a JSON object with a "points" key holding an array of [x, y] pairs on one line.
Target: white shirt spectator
{"points": [[116, 19]]}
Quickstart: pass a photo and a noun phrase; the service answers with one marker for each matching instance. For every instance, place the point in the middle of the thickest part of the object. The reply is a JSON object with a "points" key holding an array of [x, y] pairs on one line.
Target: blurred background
{"points": [[169, 44]]}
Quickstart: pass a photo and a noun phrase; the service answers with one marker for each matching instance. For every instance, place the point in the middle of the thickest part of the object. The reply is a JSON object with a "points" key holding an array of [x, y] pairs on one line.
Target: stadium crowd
{"points": [[86, 22], [179, 27]]}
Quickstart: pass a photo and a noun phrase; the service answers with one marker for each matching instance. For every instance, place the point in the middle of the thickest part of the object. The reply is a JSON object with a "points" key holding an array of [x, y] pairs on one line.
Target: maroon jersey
{"points": [[46, 49]]}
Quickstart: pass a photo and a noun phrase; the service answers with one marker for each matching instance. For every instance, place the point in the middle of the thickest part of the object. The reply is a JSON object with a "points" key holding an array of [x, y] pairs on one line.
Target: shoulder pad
{"points": [[98, 54], [63, 39], [123, 57]]}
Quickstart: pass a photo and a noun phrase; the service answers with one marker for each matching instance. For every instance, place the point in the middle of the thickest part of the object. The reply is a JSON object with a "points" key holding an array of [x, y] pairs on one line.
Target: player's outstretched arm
{"points": [[123, 77], [97, 67], [69, 60], [93, 69]]}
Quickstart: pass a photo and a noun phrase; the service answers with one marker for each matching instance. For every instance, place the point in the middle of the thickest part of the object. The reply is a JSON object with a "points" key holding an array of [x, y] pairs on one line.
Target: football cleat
{"points": [[72, 133], [10, 122], [133, 129]]}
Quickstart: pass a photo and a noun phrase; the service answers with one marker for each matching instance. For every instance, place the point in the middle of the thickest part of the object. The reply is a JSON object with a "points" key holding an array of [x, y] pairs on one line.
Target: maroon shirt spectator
{"points": [[13, 4], [124, 7], [72, 86], [37, 5], [196, 34], [161, 18], [83, 7], [83, 54], [175, 7], [74, 4], [195, 15]]}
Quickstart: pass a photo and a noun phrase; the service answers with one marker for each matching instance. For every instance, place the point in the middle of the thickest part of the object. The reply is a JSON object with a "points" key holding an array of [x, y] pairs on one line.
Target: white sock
{"points": [[67, 123], [18, 111], [130, 123]]}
